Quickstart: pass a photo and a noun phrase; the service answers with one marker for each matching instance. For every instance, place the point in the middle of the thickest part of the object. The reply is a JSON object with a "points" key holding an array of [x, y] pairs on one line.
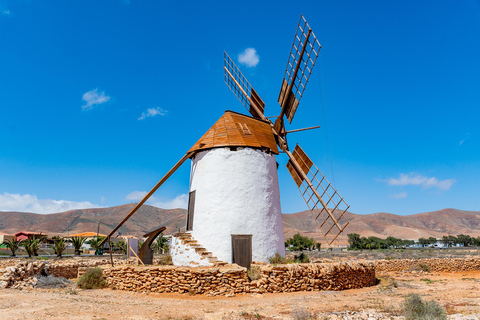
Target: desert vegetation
{"points": [[357, 242]]}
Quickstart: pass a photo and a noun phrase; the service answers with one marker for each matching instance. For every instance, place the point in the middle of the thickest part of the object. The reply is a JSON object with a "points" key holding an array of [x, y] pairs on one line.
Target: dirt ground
{"points": [[458, 293]]}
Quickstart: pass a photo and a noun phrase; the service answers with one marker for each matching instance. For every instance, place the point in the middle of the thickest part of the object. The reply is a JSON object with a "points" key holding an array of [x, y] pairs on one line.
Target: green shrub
{"points": [[92, 279], [302, 258], [277, 259], [254, 273], [414, 308]]}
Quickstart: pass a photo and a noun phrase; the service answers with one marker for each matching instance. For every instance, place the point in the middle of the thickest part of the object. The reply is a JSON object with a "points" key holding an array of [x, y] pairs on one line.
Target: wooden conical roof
{"points": [[237, 130]]}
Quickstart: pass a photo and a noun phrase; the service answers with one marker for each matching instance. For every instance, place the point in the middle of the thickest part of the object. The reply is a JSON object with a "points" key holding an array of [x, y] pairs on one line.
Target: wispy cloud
{"points": [[180, 201], [93, 97], [419, 180], [6, 12], [467, 135], [30, 203], [249, 57], [400, 195], [152, 112]]}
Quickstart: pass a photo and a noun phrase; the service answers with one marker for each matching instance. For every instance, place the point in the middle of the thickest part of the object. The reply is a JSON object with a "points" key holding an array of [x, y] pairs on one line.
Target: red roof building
{"points": [[23, 235]]}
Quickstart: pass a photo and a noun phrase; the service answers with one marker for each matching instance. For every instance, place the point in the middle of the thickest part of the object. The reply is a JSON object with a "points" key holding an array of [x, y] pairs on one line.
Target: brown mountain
{"points": [[428, 224], [422, 225], [147, 218]]}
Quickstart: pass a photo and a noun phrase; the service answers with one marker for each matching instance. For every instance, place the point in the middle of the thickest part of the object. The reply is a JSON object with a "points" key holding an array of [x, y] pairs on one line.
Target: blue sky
{"points": [[99, 99]]}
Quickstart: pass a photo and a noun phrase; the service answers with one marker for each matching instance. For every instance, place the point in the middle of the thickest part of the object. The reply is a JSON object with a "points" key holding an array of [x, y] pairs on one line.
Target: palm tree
{"points": [[32, 245], [59, 245], [78, 243], [123, 246], [159, 245], [13, 245], [95, 244]]}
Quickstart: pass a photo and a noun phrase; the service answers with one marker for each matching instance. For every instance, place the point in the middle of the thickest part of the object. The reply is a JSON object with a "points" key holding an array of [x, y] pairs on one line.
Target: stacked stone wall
{"points": [[434, 265], [230, 281]]}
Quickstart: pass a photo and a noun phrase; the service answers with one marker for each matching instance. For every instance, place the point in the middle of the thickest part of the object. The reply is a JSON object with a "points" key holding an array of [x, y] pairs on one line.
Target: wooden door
{"points": [[242, 249], [191, 209]]}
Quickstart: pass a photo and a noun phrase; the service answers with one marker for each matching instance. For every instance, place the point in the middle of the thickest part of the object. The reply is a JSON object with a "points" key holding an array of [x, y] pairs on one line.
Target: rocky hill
{"points": [[435, 224]]}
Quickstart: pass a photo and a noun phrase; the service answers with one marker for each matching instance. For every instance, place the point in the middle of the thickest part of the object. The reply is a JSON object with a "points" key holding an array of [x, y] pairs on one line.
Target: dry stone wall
{"points": [[434, 265], [233, 280]]}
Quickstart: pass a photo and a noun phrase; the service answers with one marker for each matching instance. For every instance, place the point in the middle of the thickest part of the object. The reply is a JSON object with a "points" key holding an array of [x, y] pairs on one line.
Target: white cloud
{"points": [[30, 203], [249, 57], [400, 195], [419, 180], [152, 112], [465, 138], [93, 97], [136, 195], [180, 201]]}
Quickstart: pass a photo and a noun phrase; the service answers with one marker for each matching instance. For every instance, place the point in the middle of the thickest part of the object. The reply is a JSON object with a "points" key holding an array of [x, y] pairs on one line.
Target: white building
{"points": [[234, 213]]}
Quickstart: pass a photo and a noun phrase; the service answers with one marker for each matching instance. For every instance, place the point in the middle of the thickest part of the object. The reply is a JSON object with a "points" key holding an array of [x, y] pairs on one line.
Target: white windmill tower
{"points": [[234, 213]]}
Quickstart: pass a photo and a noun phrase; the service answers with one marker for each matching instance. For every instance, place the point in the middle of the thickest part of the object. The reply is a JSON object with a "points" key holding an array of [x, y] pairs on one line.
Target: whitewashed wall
{"points": [[237, 193], [185, 255]]}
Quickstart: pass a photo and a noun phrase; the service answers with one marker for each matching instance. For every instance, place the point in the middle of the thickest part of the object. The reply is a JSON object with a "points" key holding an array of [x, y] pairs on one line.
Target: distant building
{"points": [[24, 235]]}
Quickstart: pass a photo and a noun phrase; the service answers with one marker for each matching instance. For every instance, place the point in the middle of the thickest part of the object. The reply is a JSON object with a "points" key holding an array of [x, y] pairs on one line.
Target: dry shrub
{"points": [[303, 314], [254, 273], [414, 308], [52, 282], [166, 260], [424, 267], [277, 259], [92, 279]]}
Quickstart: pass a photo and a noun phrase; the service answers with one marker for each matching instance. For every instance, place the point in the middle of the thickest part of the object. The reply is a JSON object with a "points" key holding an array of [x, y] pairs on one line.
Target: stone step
{"points": [[199, 249], [182, 234]]}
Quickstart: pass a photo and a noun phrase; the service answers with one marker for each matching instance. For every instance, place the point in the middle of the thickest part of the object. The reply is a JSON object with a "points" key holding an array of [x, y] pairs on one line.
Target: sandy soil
{"points": [[457, 292]]}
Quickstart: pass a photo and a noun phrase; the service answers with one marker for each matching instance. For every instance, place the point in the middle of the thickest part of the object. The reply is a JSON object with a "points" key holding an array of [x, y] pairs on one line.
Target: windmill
{"points": [[234, 210]]}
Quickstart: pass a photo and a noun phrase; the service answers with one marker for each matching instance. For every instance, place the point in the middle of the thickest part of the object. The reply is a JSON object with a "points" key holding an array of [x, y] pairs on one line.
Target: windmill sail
{"points": [[240, 86], [327, 207], [303, 54]]}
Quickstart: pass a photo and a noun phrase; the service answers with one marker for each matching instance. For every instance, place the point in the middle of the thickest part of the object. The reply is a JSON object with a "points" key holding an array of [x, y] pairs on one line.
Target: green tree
{"points": [[95, 244], [122, 245], [32, 245], [299, 242], [158, 245], [432, 240], [453, 240], [466, 240], [59, 245], [354, 241], [13, 245], [77, 243], [392, 242], [423, 242], [445, 240]]}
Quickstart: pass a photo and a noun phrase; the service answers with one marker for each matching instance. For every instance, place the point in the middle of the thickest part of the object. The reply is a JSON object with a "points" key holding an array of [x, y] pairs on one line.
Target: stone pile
{"points": [[231, 280], [434, 265], [24, 273]]}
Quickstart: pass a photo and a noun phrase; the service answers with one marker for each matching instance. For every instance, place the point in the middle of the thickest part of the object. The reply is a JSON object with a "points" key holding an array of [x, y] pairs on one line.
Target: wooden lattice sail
{"points": [[328, 208]]}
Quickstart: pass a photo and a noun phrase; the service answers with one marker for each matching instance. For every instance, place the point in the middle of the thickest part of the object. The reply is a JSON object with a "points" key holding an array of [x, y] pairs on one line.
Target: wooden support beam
{"points": [[162, 181]]}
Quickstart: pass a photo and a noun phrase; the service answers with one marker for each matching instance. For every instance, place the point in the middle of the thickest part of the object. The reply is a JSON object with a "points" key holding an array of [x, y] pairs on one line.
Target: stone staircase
{"points": [[187, 240]]}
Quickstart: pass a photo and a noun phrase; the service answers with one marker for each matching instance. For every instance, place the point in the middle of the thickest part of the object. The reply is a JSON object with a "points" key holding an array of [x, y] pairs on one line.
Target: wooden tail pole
{"points": [[162, 181]]}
